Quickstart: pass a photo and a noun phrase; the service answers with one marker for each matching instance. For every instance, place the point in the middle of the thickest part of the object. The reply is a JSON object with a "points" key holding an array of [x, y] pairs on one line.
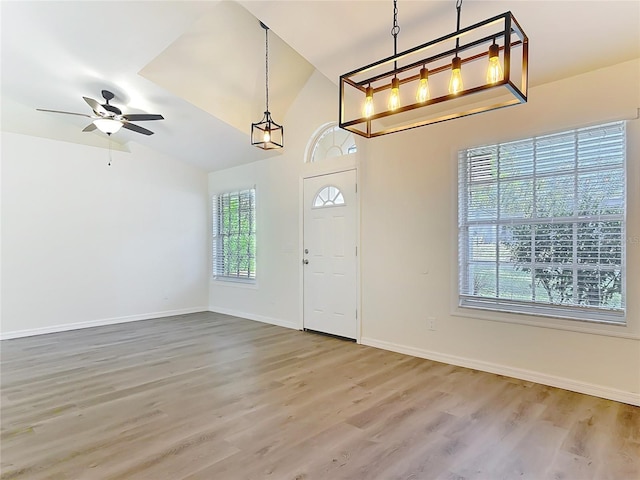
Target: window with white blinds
{"points": [[542, 225], [234, 235]]}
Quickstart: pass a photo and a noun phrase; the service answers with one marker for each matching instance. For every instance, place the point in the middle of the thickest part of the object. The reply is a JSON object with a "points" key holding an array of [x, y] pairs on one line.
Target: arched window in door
{"points": [[328, 196]]}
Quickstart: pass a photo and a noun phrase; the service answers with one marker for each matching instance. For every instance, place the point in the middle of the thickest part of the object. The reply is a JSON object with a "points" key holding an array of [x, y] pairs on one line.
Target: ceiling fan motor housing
{"points": [[107, 95], [112, 109]]}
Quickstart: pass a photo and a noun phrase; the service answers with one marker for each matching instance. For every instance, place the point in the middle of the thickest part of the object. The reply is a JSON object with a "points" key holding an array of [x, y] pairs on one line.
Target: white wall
{"points": [[275, 297], [413, 176], [84, 243], [408, 229]]}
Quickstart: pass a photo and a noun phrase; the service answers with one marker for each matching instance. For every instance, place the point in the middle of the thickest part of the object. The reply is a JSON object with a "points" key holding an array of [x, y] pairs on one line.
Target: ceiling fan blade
{"points": [[66, 113], [136, 128], [89, 128], [139, 117], [95, 106]]}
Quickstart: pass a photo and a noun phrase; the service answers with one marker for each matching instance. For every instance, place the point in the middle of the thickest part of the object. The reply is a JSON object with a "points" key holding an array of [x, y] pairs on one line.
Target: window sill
{"points": [[580, 326], [231, 282]]}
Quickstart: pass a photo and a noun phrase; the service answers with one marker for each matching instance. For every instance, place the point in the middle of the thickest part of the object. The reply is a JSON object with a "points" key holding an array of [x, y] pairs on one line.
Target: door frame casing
{"points": [[320, 173]]}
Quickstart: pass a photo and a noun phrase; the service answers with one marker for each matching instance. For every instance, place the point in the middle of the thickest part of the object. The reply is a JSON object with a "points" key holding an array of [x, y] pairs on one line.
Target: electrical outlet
{"points": [[431, 321]]}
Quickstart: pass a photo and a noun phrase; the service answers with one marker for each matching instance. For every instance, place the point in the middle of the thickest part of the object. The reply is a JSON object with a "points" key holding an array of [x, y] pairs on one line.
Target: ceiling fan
{"points": [[109, 118]]}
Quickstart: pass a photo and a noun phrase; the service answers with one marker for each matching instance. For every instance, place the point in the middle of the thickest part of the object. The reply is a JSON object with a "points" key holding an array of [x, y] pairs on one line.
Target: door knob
{"points": [[305, 261]]}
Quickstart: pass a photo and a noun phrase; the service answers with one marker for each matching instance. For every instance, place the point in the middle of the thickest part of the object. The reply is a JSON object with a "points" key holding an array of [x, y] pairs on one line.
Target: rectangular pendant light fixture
{"points": [[267, 134], [472, 70]]}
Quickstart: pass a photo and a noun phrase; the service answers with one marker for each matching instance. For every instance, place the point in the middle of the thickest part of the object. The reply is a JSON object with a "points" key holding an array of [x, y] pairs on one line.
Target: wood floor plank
{"points": [[209, 396]]}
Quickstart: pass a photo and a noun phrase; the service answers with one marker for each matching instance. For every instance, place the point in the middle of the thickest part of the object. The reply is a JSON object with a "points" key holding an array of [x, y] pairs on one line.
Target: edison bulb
{"points": [[267, 136], [422, 95], [367, 110], [494, 71], [394, 97], [455, 84]]}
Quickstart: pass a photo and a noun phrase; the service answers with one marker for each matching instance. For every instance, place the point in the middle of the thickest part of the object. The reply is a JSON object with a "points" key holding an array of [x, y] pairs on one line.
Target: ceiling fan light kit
{"points": [[266, 133], [107, 125], [424, 85]]}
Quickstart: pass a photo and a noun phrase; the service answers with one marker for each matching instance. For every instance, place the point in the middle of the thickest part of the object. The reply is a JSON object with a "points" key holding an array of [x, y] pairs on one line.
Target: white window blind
{"points": [[541, 225], [234, 235]]}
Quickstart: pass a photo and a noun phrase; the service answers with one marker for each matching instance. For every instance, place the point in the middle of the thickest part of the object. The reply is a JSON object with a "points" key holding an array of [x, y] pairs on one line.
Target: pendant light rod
{"points": [[395, 31], [266, 64], [458, 10]]}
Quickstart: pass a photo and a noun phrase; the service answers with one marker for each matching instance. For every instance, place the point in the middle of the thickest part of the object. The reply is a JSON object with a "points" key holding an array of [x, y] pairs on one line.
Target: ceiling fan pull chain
{"points": [[109, 164]]}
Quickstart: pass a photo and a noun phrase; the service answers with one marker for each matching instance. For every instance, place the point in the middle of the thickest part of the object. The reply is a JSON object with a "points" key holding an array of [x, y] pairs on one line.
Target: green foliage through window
{"points": [[541, 225], [234, 235]]}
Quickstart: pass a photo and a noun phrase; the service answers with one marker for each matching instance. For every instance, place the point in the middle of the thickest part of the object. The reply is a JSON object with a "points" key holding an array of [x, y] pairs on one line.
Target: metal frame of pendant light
{"points": [[469, 47], [267, 134]]}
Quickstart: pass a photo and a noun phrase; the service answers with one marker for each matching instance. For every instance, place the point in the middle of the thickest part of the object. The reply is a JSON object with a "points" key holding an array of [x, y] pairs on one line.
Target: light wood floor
{"points": [[208, 396]]}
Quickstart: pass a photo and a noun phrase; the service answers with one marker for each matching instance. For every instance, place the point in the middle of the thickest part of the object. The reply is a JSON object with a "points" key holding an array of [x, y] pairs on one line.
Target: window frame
{"points": [[330, 129], [248, 277], [336, 201], [570, 317]]}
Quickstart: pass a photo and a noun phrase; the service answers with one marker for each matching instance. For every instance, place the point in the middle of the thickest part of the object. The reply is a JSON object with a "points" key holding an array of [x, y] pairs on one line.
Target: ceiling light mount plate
{"points": [[473, 46]]}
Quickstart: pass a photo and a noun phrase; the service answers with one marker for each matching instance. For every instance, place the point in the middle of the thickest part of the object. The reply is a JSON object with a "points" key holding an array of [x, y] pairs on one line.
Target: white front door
{"points": [[330, 235]]}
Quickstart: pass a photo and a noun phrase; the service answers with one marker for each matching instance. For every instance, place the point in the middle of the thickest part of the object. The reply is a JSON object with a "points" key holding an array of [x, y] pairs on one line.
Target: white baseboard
{"points": [[258, 318], [98, 323], [529, 375]]}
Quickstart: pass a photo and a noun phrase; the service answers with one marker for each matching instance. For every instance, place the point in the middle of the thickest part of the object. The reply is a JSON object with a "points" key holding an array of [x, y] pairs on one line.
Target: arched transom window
{"points": [[328, 196], [333, 142]]}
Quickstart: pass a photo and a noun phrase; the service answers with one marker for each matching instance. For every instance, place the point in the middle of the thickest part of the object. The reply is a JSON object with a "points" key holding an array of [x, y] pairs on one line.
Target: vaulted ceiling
{"points": [[201, 64]]}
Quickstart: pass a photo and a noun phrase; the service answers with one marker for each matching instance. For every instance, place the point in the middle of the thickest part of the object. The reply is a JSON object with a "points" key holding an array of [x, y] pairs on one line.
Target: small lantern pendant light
{"points": [[267, 134]]}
